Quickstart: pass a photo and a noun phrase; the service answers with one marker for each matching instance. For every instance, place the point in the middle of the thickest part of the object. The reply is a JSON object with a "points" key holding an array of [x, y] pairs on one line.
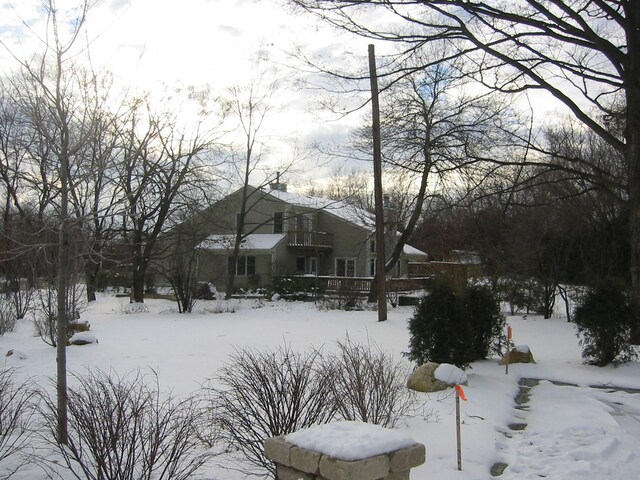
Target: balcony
{"points": [[314, 240]]}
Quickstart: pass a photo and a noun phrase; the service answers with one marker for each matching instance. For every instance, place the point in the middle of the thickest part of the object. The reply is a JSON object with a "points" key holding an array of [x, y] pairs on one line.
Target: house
{"points": [[291, 234]]}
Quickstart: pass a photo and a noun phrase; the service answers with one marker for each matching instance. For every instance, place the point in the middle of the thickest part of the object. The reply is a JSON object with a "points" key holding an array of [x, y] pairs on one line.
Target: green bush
{"points": [[456, 328], [293, 288], [440, 330], [486, 321], [604, 319]]}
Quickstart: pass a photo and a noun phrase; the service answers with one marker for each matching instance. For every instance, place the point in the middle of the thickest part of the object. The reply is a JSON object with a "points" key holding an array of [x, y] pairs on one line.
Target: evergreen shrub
{"points": [[486, 320], [604, 318], [456, 328], [293, 288]]}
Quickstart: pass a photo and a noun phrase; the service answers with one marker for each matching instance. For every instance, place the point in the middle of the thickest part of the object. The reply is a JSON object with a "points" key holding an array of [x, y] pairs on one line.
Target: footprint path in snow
{"points": [[568, 432]]}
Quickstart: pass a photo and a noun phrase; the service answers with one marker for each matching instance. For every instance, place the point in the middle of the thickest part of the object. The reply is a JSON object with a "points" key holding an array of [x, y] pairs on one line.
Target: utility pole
{"points": [[379, 279]]}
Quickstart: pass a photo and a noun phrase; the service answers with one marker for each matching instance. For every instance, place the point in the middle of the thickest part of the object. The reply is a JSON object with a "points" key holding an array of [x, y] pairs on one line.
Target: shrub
{"points": [[7, 315], [604, 319], [46, 311], [456, 328], [16, 414], [205, 291], [369, 386], [486, 321], [124, 428], [293, 288], [266, 394], [440, 330]]}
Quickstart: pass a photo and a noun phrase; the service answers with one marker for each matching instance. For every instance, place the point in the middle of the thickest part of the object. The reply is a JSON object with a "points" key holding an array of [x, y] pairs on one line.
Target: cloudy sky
{"points": [[165, 44]]}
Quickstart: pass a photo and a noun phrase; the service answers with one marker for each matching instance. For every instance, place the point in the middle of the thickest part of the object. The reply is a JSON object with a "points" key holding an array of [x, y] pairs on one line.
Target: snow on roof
{"points": [[343, 210], [350, 441], [254, 241], [409, 250]]}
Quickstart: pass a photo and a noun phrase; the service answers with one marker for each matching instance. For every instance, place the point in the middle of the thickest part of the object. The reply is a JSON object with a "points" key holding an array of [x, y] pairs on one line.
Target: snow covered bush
{"points": [[16, 414], [456, 328], [369, 386], [266, 394], [124, 428], [604, 318]]}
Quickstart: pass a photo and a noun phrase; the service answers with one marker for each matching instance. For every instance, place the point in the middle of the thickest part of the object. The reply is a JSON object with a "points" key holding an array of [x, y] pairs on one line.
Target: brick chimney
{"points": [[281, 187]]}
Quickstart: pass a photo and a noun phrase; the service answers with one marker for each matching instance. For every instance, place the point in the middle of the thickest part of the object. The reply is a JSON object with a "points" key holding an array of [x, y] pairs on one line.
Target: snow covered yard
{"points": [[572, 431]]}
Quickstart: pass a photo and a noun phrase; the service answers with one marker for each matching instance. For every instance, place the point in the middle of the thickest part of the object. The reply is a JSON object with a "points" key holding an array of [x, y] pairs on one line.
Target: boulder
{"points": [[518, 354], [423, 379], [82, 338], [16, 354], [451, 375]]}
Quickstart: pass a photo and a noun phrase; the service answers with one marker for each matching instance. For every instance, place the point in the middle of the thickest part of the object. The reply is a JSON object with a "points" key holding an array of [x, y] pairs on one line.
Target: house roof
{"points": [[350, 213], [254, 241], [409, 250]]}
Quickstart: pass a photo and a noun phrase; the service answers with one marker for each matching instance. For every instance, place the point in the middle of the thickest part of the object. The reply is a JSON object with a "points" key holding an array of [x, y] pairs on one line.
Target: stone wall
{"points": [[295, 463]]}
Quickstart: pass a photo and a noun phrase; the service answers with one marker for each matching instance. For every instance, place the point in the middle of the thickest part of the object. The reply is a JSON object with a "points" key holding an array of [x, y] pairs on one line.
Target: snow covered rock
{"points": [[518, 354], [451, 375], [423, 379], [17, 354], [433, 377], [82, 338]]}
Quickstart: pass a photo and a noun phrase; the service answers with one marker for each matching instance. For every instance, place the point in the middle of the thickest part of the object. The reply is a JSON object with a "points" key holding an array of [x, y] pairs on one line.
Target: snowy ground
{"points": [[573, 432]]}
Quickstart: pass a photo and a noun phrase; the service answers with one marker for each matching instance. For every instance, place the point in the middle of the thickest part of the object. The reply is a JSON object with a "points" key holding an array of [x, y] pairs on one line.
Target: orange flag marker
{"points": [[460, 392]]}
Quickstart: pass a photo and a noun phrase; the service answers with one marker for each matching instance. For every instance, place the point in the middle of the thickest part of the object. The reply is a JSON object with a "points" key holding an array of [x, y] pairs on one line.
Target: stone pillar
{"points": [[294, 462]]}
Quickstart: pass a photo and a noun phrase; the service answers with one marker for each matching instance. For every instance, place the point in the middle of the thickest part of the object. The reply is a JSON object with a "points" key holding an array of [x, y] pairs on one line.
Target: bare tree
{"points": [[584, 53], [250, 106], [159, 168], [55, 115]]}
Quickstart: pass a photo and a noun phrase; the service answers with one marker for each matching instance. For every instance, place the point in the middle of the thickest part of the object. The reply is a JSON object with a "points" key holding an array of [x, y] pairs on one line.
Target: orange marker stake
{"points": [[459, 395]]}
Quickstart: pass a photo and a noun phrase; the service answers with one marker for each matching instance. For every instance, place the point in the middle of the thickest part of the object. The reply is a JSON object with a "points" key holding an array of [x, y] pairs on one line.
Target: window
{"points": [[245, 265], [345, 267], [278, 222], [372, 267], [300, 265], [372, 246]]}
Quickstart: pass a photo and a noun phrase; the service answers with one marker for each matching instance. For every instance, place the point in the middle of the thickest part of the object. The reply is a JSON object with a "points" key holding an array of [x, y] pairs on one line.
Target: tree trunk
{"points": [[91, 272], [137, 282], [139, 270], [632, 151]]}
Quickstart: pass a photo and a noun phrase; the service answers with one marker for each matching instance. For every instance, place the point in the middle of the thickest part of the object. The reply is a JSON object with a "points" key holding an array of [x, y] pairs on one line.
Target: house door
{"points": [[313, 265]]}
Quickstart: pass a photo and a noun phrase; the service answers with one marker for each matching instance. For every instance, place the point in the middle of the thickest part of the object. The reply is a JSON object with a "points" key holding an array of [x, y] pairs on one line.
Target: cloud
{"points": [[230, 30]]}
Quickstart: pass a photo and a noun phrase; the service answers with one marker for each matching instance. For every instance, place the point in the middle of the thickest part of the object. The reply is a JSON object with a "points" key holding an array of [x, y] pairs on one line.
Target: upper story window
{"points": [[278, 222]]}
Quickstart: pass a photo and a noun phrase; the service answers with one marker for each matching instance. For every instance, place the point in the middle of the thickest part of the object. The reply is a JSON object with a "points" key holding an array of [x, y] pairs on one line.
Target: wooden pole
{"points": [[509, 336], [380, 280], [458, 434]]}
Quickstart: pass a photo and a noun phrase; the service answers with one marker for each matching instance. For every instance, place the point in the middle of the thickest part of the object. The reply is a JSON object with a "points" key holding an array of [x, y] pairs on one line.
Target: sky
{"points": [[162, 45]]}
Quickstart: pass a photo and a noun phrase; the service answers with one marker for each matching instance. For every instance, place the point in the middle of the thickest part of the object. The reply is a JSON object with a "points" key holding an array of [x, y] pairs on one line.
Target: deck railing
{"points": [[306, 239], [361, 285]]}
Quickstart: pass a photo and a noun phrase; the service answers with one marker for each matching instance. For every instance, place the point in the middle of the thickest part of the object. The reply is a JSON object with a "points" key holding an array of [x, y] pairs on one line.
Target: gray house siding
{"points": [[316, 241]]}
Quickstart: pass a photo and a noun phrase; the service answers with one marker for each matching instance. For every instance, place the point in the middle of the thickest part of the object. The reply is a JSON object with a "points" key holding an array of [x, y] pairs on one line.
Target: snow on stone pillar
{"points": [[344, 451]]}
